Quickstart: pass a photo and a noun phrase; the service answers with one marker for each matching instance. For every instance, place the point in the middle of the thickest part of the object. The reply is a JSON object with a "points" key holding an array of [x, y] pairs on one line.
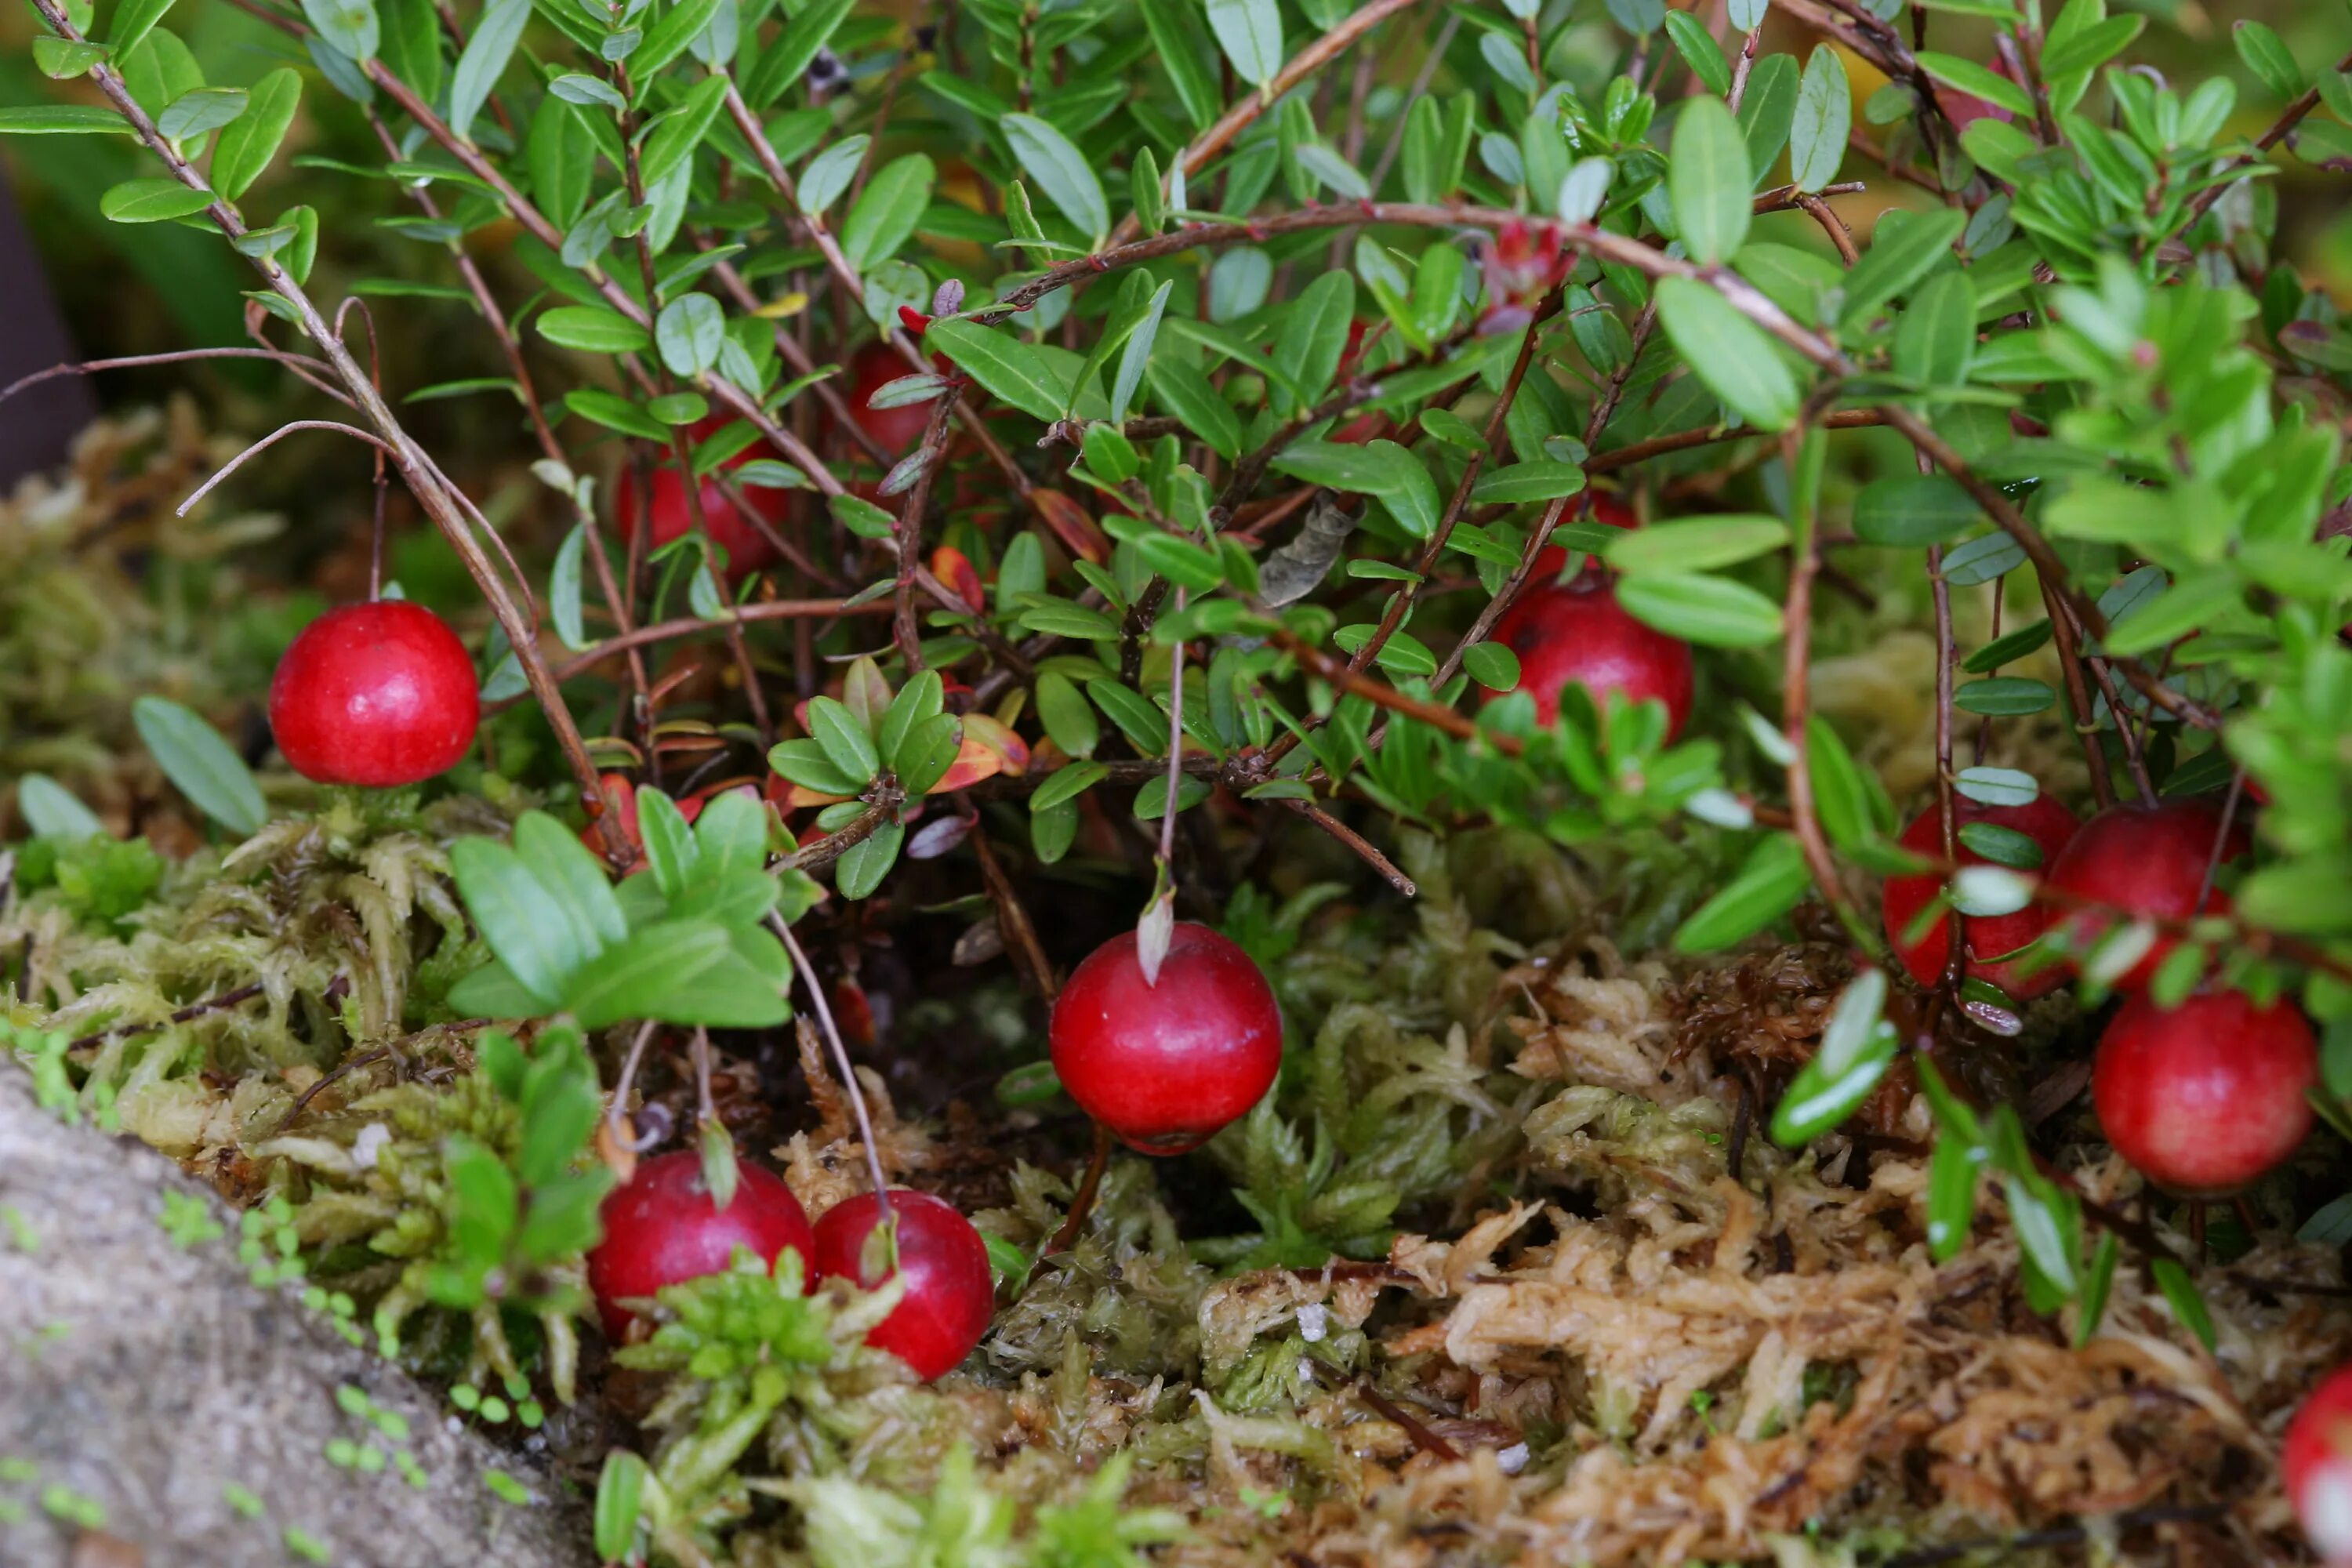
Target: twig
{"points": [[1685, 440], [1362, 846], [2008, 1547], [2289, 118], [1796, 703], [177, 356], [1082, 1203], [906, 531], [840, 842], [1013, 918], [849, 1083], [194, 1010], [661, 631], [1427, 1441], [615, 1114], [1296, 70], [268, 441]]}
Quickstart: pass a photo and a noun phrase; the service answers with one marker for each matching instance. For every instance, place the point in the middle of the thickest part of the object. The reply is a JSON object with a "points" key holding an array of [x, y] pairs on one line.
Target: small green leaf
{"points": [[1907, 510], [844, 740], [61, 120], [1977, 81], [154, 199], [1767, 887], [688, 331], [1061, 170], [1491, 664], [1697, 543], [200, 764], [887, 211], [484, 59], [1904, 248], [679, 26], [51, 811], [863, 866], [1715, 612], [201, 110], [1250, 32], [1517, 483], [1066, 785], [243, 150], [1817, 138], [1709, 182], [1730, 353], [1006, 366], [592, 328], [347, 27]]}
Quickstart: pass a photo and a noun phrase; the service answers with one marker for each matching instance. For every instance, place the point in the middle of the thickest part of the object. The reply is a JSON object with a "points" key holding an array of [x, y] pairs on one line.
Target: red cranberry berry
{"points": [[747, 548], [376, 694], [2205, 1097], [1578, 633], [2144, 860], [871, 369], [2316, 1465], [949, 1296], [1165, 1065], [662, 1228], [1987, 937], [1609, 511]]}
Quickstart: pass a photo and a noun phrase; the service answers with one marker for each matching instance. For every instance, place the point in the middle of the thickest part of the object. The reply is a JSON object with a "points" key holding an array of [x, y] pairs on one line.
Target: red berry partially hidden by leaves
{"points": [[2205, 1097], [871, 369], [377, 694], [662, 1228], [2146, 860], [2316, 1465], [1986, 937], [621, 801], [1165, 1065], [1609, 511], [1580, 634], [747, 548], [949, 1296]]}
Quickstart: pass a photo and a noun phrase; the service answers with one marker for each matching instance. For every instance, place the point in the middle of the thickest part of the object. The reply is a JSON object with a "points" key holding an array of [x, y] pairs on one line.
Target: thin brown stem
{"points": [[1362, 847], [849, 1083], [177, 356], [1318, 54]]}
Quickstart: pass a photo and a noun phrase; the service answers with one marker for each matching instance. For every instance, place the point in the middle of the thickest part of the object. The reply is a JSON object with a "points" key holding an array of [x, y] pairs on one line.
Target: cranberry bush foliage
{"points": [[1265, 346]]}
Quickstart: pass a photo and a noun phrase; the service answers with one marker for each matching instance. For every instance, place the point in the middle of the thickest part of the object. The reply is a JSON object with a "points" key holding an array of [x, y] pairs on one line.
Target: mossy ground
{"points": [[1480, 1283]]}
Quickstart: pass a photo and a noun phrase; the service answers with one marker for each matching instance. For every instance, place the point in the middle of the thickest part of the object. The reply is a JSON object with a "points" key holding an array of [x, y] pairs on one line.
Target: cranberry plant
{"points": [[1269, 360]]}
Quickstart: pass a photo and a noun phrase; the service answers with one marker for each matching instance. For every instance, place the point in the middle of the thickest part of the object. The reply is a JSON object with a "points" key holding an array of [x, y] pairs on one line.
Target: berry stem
{"points": [[833, 1040]]}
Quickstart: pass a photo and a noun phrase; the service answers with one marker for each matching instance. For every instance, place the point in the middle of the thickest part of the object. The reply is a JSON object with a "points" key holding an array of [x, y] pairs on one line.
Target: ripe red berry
{"points": [[1579, 632], [1987, 937], [747, 548], [376, 694], [871, 369], [949, 1296], [662, 1228], [2205, 1097], [1165, 1065], [2146, 860], [2316, 1465]]}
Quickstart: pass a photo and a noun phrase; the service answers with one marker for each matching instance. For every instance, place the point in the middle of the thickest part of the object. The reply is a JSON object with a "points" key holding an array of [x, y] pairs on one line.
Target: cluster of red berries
{"points": [[1162, 1065], [662, 1228], [2202, 1097]]}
